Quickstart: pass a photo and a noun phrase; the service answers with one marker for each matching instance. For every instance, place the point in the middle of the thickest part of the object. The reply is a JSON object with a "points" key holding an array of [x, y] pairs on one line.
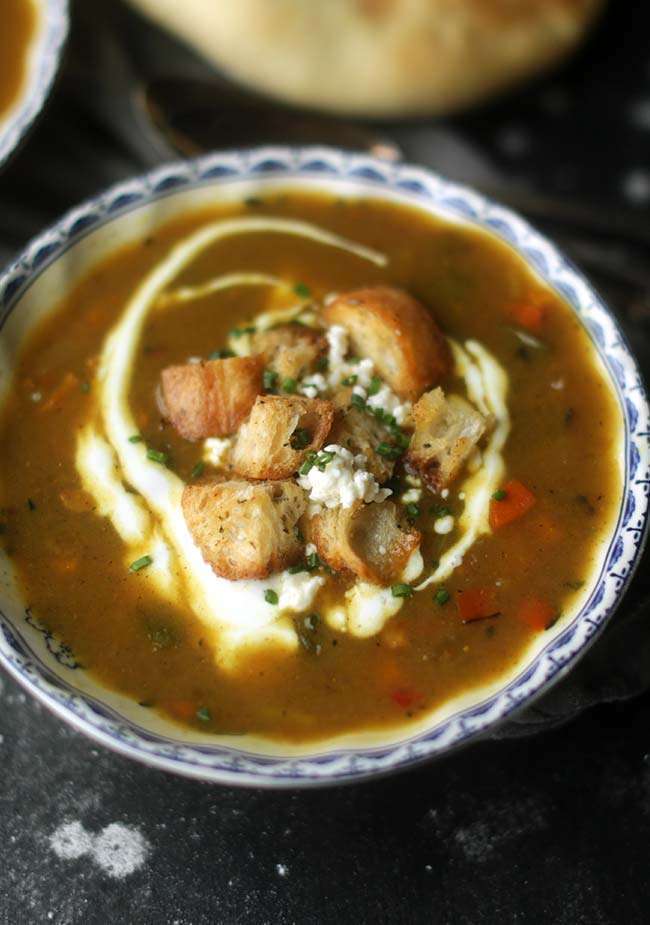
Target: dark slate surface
{"points": [[546, 828]]}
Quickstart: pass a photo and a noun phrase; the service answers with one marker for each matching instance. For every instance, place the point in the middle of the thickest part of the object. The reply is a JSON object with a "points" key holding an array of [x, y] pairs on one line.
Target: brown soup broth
{"points": [[18, 20], [562, 446]]}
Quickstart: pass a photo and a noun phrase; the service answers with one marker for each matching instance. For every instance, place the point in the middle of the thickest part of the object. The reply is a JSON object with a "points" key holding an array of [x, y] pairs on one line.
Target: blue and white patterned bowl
{"points": [[44, 58], [56, 259]]}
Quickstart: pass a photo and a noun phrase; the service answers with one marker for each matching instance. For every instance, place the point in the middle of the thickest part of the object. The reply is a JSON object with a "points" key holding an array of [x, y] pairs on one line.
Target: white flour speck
{"points": [[282, 870], [118, 850]]}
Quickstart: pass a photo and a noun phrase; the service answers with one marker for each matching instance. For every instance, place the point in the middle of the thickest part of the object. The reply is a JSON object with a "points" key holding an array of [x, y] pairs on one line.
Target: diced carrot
{"points": [[404, 697], [528, 315], [536, 613], [69, 383], [515, 503], [181, 709], [476, 604]]}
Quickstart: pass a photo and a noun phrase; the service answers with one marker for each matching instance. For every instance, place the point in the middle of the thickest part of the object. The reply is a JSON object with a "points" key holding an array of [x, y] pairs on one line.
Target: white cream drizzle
{"points": [[152, 522]]}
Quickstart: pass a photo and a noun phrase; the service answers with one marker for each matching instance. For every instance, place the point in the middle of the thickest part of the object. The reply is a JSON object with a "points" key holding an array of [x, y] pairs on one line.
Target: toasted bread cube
{"points": [[280, 432], [398, 334], [290, 350], [211, 399], [365, 539], [446, 431], [361, 432], [245, 529]]}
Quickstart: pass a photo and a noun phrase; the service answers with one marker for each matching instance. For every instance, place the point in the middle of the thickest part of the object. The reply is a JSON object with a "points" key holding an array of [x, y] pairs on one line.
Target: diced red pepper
{"points": [[405, 698], [528, 315], [536, 613], [476, 604], [516, 502]]}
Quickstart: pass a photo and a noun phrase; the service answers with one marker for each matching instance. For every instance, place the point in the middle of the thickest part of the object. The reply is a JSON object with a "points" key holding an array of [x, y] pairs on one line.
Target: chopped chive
{"points": [[300, 438], [403, 440], [140, 563], [302, 290], [412, 510], [197, 469], [322, 364], [401, 590], [239, 332], [354, 360], [442, 512], [324, 458], [388, 451], [375, 385], [289, 385], [442, 596], [271, 596], [308, 464], [269, 379], [221, 354], [358, 401], [350, 380], [85, 387], [158, 456], [203, 714], [31, 504], [296, 569], [135, 438], [312, 561], [499, 495]]}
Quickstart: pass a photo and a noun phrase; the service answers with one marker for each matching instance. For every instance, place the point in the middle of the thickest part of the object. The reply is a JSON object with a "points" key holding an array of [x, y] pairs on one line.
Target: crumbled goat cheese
{"points": [[385, 398], [444, 494], [444, 525], [215, 450], [337, 339], [342, 481], [312, 385], [412, 496]]}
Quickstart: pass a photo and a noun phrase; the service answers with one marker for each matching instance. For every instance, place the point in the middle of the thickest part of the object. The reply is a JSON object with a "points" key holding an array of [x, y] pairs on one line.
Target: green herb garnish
{"points": [[271, 596], [296, 569], [239, 332], [302, 290], [442, 596], [412, 511], [350, 380], [135, 438], [221, 354], [358, 401], [289, 385], [158, 456], [375, 385], [308, 464], [31, 504], [269, 379], [300, 438], [140, 563], [203, 714], [401, 590], [499, 495], [312, 561], [388, 451], [324, 458], [322, 364], [197, 469]]}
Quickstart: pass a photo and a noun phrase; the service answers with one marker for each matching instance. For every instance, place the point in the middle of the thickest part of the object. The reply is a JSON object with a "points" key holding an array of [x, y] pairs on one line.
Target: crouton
{"points": [[211, 399], [446, 431], [280, 432], [290, 350], [361, 432], [365, 539], [398, 334], [245, 529]]}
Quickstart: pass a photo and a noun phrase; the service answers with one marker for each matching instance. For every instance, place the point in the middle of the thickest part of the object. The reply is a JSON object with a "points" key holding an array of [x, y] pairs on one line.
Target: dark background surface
{"points": [[551, 827]]}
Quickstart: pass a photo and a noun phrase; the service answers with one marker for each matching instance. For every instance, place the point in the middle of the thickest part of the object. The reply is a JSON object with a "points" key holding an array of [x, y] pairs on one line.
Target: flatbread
{"points": [[378, 57]]}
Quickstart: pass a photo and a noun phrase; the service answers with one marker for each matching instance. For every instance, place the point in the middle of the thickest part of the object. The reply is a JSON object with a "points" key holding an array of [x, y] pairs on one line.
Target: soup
{"points": [[19, 20], [307, 465]]}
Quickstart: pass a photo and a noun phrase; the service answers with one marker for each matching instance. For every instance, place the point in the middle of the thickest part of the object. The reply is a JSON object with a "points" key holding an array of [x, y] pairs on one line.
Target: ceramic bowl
{"points": [[44, 58], [55, 260]]}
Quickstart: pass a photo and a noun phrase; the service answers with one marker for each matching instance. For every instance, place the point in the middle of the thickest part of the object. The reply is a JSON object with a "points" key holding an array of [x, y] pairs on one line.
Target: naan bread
{"points": [[378, 57]]}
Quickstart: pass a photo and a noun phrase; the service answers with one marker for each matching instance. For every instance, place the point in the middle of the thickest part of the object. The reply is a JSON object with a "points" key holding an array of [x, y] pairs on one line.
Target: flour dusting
{"points": [[118, 850]]}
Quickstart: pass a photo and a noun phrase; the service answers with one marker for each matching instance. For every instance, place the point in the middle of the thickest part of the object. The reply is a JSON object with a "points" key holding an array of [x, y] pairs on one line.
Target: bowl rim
{"points": [[222, 763], [46, 56]]}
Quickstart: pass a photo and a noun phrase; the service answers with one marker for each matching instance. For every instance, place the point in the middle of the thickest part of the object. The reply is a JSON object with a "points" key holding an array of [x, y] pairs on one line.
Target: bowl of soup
{"points": [[313, 468], [31, 45]]}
